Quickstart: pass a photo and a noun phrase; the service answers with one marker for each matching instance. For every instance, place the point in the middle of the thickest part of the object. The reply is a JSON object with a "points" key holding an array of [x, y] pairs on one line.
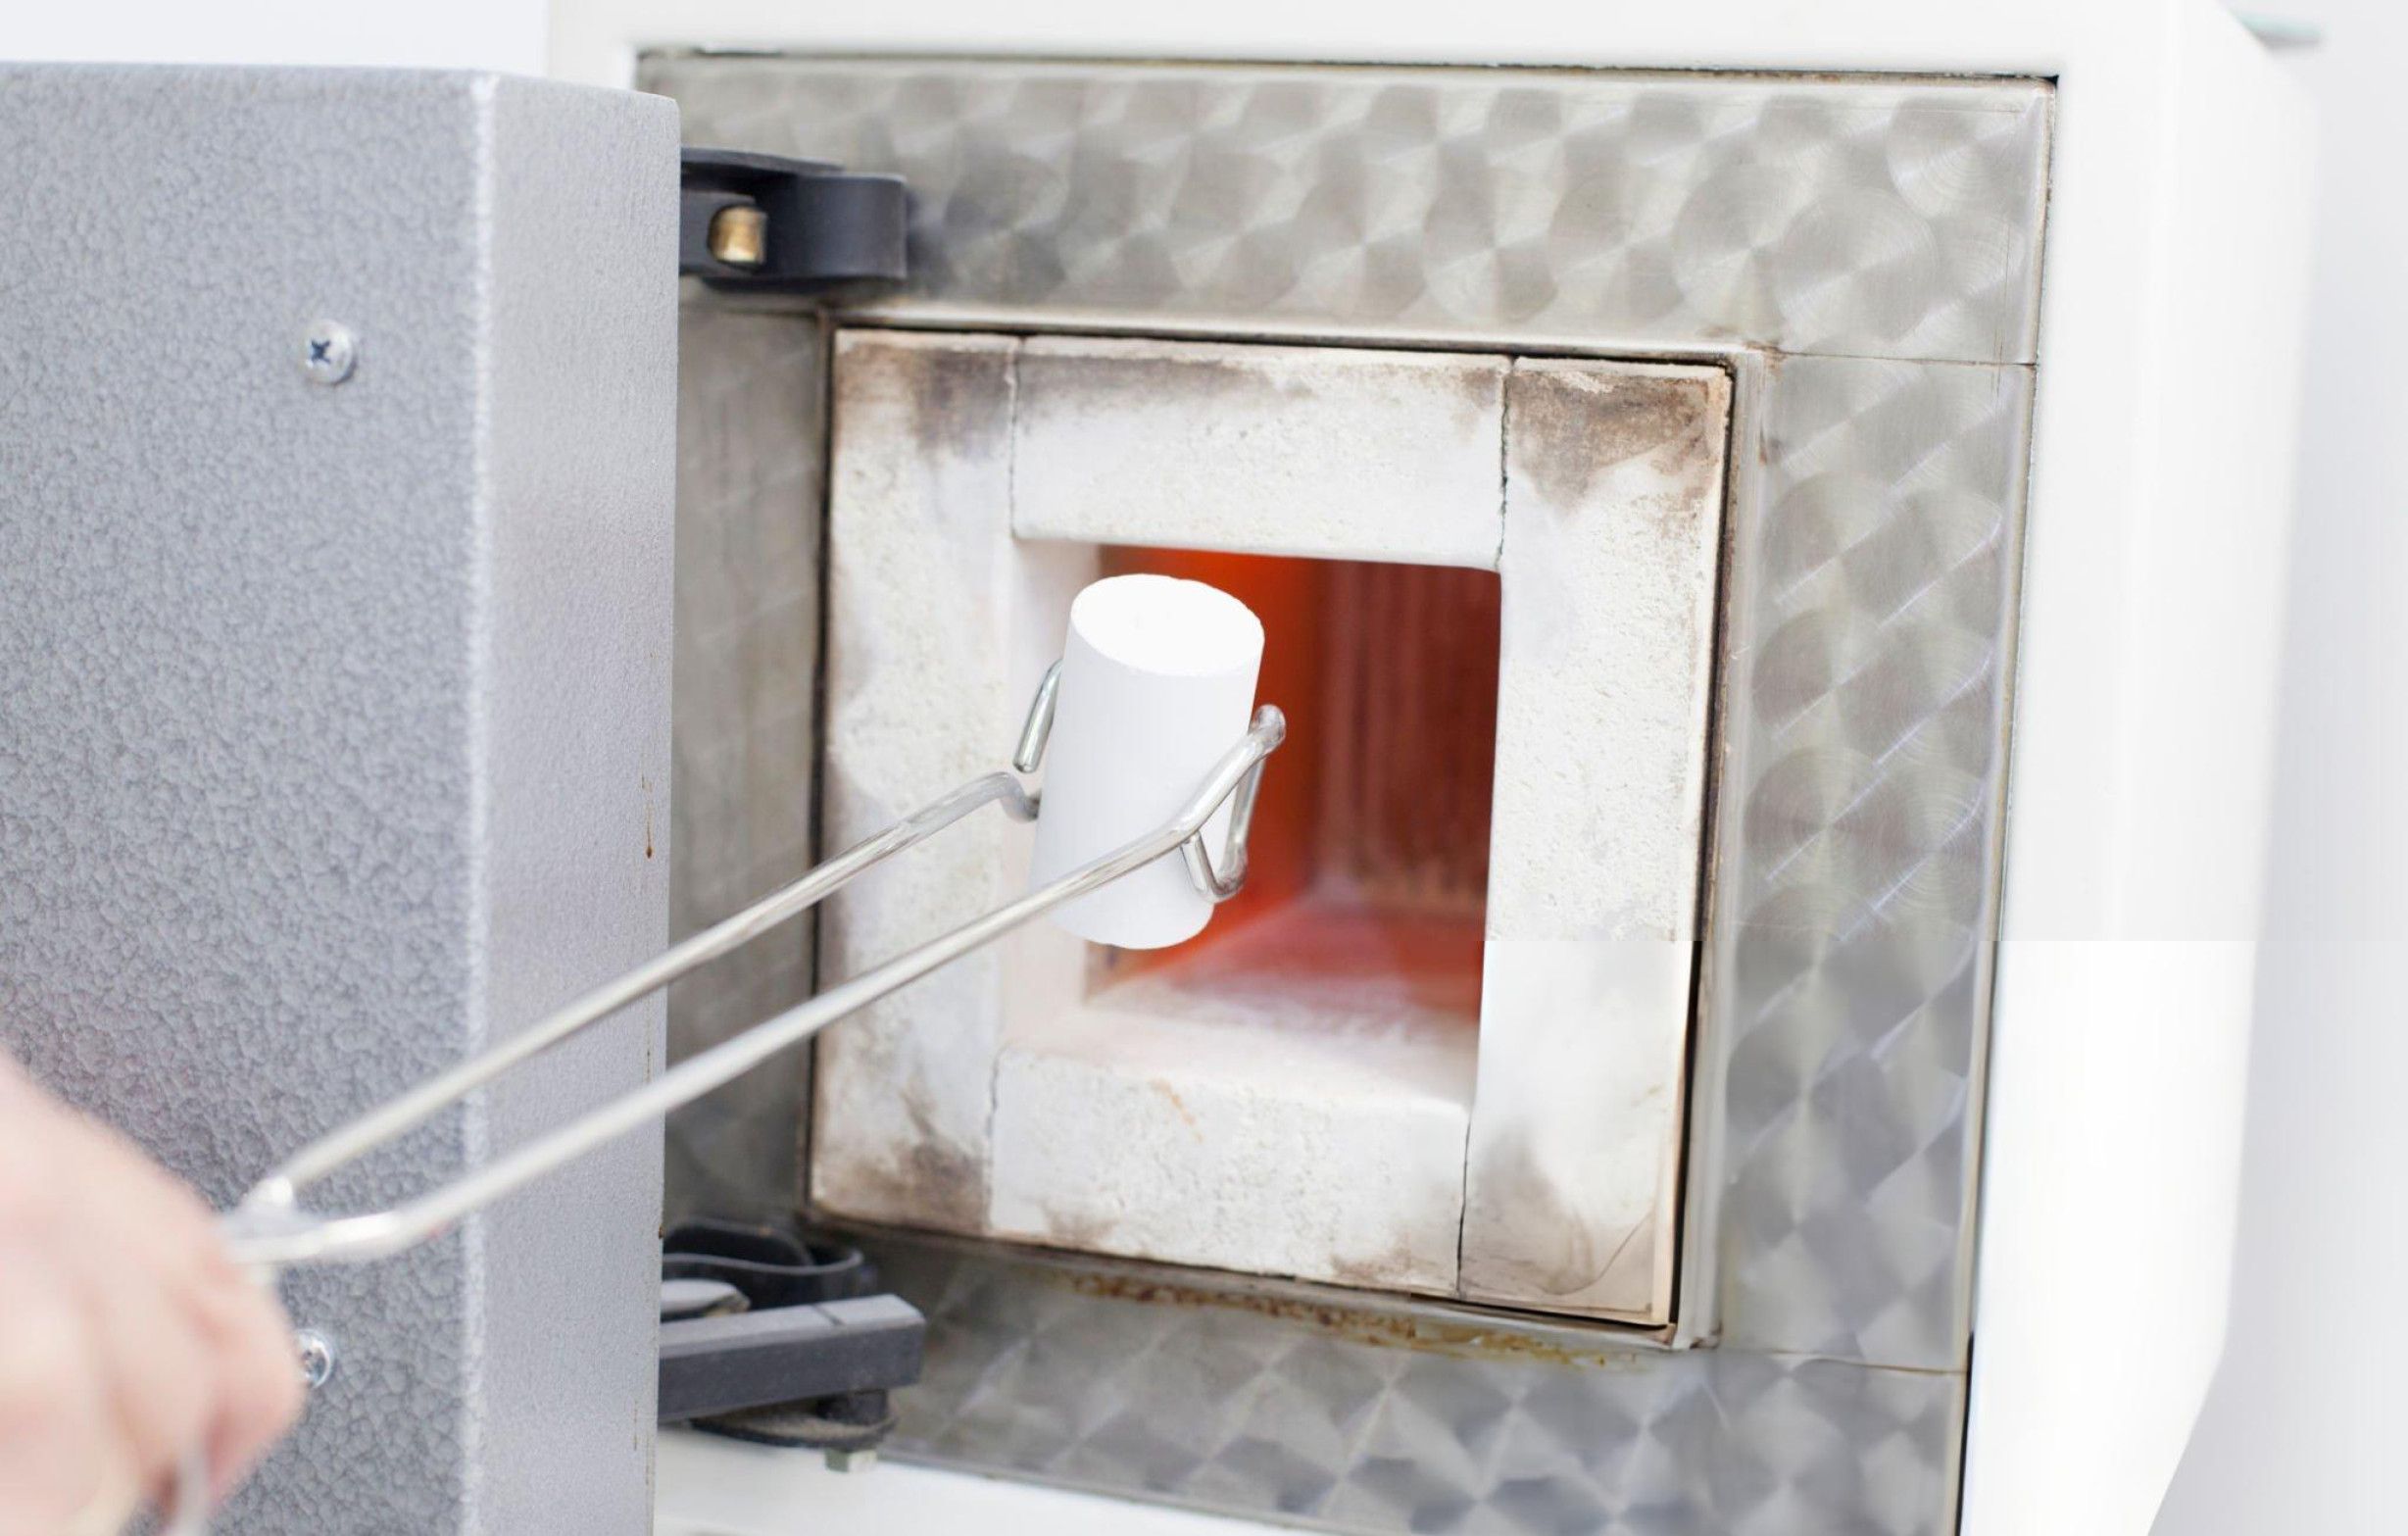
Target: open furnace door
{"points": [[336, 428]]}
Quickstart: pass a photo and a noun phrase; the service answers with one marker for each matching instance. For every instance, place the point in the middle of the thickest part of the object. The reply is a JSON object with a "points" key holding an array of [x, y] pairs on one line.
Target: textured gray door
{"points": [[334, 721]]}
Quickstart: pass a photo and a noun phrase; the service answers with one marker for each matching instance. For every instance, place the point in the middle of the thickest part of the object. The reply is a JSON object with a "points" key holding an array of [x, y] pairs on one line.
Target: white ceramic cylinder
{"points": [[1157, 682]]}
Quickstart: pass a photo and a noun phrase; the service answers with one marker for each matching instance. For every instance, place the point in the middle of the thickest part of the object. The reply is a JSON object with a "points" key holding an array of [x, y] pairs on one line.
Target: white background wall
{"points": [[2308, 1420], [488, 34], [2308, 1423]]}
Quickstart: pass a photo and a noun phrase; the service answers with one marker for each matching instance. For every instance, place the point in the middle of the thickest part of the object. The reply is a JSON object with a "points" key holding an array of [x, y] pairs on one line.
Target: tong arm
{"points": [[268, 1229]]}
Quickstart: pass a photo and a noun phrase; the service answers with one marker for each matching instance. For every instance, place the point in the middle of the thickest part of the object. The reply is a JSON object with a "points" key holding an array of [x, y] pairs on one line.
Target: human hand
{"points": [[128, 1337]]}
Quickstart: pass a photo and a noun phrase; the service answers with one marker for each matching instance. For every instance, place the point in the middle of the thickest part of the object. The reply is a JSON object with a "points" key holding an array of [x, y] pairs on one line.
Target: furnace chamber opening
{"points": [[1440, 1046], [1366, 902]]}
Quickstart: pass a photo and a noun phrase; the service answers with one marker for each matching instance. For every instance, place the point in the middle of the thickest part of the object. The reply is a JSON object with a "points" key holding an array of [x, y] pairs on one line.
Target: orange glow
{"points": [[1369, 851]]}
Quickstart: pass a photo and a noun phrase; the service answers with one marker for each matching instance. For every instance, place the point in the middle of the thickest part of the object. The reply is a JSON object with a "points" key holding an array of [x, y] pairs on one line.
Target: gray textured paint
{"points": [[750, 423], [1877, 503], [335, 718]]}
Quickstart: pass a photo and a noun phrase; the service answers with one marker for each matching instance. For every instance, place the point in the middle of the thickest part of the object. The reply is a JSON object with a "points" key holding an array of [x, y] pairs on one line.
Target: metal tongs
{"points": [[269, 1229]]}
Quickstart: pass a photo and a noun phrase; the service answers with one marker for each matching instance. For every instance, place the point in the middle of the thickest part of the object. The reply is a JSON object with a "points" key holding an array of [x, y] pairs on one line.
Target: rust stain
{"points": [[1177, 1104], [1386, 1330]]}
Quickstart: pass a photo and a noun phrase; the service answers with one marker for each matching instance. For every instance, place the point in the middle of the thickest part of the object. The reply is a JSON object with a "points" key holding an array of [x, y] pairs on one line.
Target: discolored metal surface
{"points": [[750, 451], [1868, 617]]}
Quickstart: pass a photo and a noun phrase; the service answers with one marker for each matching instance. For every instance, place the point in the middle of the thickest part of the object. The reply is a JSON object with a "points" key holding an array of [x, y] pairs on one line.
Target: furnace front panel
{"points": [[1579, 1130], [1442, 1050]]}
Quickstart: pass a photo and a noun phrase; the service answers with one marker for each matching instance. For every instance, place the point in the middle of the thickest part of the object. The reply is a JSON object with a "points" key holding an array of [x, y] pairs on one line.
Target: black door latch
{"points": [[769, 1336], [764, 223]]}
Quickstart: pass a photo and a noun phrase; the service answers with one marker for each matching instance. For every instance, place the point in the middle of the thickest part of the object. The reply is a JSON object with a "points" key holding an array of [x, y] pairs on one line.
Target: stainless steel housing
{"points": [[1864, 255]]}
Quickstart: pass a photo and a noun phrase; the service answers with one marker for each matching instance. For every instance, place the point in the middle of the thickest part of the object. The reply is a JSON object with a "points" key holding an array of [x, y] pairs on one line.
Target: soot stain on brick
{"points": [[956, 396], [1394, 1267], [1569, 428], [1079, 1230], [933, 1182], [1527, 1234], [1076, 383]]}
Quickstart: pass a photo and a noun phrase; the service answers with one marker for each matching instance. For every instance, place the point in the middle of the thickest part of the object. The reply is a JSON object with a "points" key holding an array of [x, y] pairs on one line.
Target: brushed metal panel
{"points": [[1865, 724], [1265, 1409], [1866, 218], [1877, 504], [1872, 582], [751, 455]]}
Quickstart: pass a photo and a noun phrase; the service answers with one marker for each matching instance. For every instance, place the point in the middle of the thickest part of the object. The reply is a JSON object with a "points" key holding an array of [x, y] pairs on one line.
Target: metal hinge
{"points": [[766, 224]]}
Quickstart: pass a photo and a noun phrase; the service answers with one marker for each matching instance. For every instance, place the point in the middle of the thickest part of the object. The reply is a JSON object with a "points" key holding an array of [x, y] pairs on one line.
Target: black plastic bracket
{"points": [[764, 223], [793, 1341], [787, 1355]]}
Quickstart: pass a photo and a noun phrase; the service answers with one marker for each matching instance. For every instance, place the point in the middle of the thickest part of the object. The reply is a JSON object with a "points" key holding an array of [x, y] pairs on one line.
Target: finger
{"points": [[58, 1465], [173, 1298], [153, 1356], [258, 1372], [146, 1211]]}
